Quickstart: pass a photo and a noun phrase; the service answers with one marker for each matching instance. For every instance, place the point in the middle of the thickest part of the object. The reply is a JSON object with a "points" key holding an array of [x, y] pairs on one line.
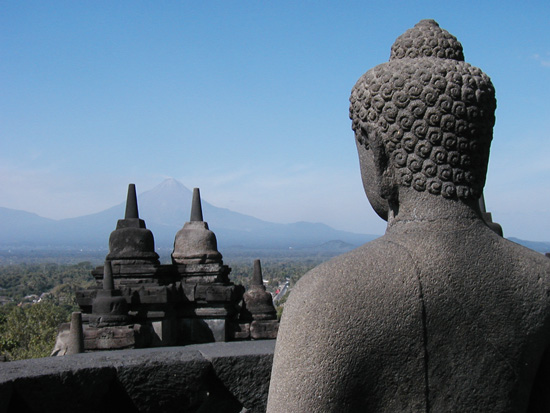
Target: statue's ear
{"points": [[384, 166], [372, 173], [376, 145]]}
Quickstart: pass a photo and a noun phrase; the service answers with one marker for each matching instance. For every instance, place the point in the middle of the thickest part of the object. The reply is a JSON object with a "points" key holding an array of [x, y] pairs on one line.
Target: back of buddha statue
{"points": [[439, 314], [400, 325], [486, 313]]}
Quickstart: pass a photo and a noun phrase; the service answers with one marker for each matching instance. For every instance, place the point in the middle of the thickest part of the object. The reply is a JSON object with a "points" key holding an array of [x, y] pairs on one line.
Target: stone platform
{"points": [[214, 377]]}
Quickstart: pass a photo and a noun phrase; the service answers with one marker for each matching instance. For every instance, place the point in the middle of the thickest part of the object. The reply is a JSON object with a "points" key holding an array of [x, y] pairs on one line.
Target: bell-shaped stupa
{"points": [[258, 315], [110, 307], [195, 243], [258, 302], [131, 242]]}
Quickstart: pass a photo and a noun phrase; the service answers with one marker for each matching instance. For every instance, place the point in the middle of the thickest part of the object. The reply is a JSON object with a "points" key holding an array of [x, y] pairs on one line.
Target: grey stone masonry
{"points": [[140, 303], [215, 377]]}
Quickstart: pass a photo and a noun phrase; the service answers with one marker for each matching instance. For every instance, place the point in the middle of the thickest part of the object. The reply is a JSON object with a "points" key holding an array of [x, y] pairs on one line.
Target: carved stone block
{"points": [[264, 329], [241, 331]]}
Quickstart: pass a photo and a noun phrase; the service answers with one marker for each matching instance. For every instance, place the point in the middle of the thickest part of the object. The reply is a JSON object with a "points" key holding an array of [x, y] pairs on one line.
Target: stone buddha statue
{"points": [[440, 314]]}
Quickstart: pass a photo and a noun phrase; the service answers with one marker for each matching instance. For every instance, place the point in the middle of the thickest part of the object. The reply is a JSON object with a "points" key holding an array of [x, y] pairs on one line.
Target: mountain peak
{"points": [[171, 183], [165, 209], [171, 189]]}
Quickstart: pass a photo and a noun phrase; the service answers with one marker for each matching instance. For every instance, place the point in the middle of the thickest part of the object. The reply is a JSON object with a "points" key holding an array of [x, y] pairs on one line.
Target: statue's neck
{"points": [[422, 209]]}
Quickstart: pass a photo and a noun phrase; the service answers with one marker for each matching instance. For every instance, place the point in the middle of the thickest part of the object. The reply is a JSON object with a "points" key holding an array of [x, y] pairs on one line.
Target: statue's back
{"points": [[398, 325]]}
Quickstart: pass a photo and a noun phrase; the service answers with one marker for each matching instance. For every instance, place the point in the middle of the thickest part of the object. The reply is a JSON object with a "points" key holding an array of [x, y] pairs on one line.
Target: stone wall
{"points": [[215, 377]]}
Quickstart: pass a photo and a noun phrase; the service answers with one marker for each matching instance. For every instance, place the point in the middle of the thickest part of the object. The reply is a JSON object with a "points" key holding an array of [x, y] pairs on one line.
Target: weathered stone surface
{"points": [[181, 380], [264, 329], [441, 313], [244, 368], [220, 293], [106, 338], [217, 377], [117, 337], [200, 270], [215, 293], [214, 311], [156, 295], [56, 384], [241, 331]]}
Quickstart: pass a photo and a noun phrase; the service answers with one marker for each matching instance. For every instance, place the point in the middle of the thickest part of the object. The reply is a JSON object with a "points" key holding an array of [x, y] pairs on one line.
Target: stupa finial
{"points": [[108, 282], [257, 277], [196, 207], [131, 203]]}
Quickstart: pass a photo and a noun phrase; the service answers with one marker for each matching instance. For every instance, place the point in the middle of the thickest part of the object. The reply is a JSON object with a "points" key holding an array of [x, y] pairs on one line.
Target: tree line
{"points": [[36, 298]]}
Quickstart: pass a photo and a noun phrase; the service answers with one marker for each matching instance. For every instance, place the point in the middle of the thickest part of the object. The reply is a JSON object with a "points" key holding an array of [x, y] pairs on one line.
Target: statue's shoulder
{"points": [[344, 326], [526, 265], [532, 268], [381, 254], [527, 254], [371, 268]]}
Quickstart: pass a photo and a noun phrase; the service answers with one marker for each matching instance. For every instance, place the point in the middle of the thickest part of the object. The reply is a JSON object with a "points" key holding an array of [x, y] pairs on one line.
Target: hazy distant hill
{"points": [[20, 226], [165, 209], [534, 245]]}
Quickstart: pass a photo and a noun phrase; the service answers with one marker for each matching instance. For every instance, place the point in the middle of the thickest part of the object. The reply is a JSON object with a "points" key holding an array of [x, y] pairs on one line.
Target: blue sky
{"points": [[247, 100]]}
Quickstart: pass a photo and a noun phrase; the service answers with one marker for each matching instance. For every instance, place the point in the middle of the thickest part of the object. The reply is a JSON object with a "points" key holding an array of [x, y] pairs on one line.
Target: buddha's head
{"points": [[423, 121]]}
